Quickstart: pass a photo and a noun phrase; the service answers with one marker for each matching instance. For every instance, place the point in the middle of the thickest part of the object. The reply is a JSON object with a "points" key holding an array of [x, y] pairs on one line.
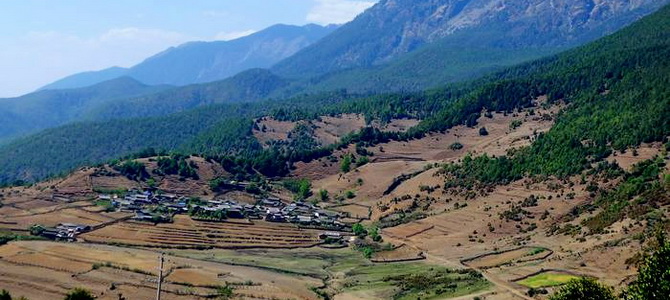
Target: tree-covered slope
{"points": [[616, 89], [213, 130], [49, 108], [248, 86], [451, 41]]}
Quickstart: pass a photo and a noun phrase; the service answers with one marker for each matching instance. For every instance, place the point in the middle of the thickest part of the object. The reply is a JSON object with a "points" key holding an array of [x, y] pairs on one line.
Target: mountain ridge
{"points": [[638, 53], [200, 62], [48, 108], [392, 28]]}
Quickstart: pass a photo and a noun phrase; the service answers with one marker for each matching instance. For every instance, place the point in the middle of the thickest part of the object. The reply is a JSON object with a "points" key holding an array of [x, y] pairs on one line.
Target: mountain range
{"points": [[199, 62], [395, 45], [49, 108], [421, 44], [393, 28]]}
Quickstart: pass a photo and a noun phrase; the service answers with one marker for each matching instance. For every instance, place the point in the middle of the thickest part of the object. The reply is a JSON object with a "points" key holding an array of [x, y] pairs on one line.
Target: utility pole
{"points": [[160, 276]]}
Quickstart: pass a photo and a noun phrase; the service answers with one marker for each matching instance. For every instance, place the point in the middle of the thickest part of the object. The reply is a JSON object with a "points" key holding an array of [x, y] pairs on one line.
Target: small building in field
{"points": [[76, 228], [275, 218], [234, 213], [303, 220]]}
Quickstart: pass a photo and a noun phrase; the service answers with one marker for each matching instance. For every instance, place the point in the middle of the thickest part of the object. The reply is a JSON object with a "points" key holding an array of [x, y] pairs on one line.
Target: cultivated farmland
{"points": [[187, 233]]}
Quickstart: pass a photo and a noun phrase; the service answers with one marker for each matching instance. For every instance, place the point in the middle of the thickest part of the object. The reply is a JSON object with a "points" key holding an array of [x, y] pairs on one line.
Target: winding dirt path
{"points": [[488, 276]]}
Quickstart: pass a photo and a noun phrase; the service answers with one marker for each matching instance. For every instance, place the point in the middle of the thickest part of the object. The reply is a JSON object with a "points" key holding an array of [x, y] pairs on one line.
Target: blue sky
{"points": [[44, 40]]}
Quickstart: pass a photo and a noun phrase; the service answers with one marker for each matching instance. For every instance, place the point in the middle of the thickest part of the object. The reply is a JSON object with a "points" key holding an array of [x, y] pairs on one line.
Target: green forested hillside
{"points": [[396, 46], [49, 108], [59, 149], [249, 86], [617, 89], [619, 95], [428, 67], [222, 128]]}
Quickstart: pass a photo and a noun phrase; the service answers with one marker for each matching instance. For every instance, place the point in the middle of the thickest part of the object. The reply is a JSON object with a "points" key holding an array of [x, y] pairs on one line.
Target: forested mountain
{"points": [[49, 108], [85, 79], [453, 39], [616, 87], [394, 46], [199, 62], [248, 86]]}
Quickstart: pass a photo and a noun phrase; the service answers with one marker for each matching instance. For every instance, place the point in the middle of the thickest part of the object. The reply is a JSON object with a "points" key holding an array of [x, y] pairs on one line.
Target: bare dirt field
{"points": [[357, 211], [497, 259], [375, 178], [456, 226], [331, 129], [401, 188], [270, 129], [47, 270], [400, 253], [327, 129], [22, 215], [394, 159], [500, 137], [632, 156]]}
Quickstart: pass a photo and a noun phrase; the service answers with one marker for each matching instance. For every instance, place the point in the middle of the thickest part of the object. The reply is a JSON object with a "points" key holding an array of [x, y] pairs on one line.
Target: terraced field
{"points": [[496, 259], [43, 270], [401, 253], [186, 233], [19, 215]]}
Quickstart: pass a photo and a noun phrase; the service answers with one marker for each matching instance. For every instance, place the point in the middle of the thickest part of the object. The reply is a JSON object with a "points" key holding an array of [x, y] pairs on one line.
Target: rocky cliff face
{"points": [[394, 27]]}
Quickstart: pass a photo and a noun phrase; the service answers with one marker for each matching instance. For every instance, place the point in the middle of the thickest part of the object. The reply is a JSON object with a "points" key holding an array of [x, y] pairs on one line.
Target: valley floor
{"points": [[438, 230]]}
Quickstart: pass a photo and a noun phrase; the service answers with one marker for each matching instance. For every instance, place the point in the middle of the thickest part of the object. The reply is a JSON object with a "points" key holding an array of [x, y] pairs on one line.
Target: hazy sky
{"points": [[45, 40]]}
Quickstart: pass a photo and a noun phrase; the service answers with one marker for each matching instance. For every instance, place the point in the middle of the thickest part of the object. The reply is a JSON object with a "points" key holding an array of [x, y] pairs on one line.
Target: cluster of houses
{"points": [[64, 231], [149, 206], [301, 213], [137, 200]]}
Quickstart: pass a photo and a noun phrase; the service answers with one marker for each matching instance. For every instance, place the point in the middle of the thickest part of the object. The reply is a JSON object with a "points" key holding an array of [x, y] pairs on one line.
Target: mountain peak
{"points": [[199, 61], [395, 27]]}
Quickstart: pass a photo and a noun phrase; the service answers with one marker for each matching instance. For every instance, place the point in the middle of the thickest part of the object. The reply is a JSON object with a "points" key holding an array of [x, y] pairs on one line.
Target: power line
{"points": [[161, 259]]}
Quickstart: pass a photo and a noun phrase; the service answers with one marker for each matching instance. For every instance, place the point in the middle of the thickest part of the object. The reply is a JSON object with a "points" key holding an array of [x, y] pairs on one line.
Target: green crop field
{"points": [[547, 279]]}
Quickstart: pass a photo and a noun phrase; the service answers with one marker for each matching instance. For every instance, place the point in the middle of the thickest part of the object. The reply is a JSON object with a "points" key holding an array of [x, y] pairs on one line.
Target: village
{"points": [[158, 207]]}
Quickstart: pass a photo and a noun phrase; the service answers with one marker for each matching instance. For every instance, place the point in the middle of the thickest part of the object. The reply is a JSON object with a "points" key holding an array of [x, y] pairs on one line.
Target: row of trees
{"points": [[176, 164]]}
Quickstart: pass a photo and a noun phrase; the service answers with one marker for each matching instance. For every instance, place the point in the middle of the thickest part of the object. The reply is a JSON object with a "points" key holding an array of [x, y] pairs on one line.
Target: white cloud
{"points": [[136, 34], [337, 11], [227, 36], [215, 14], [53, 55]]}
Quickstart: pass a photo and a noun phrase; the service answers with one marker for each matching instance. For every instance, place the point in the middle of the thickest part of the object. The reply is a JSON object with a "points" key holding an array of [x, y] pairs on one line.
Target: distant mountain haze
{"points": [[248, 86], [49, 108], [85, 79], [199, 62]]}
